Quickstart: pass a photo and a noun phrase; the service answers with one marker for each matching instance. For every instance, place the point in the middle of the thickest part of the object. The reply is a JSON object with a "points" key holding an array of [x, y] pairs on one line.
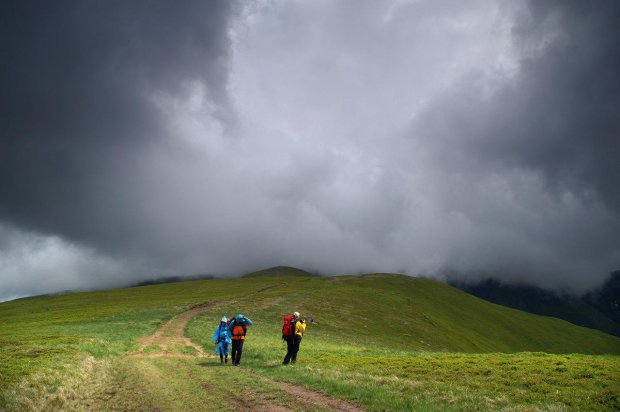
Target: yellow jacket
{"points": [[300, 328]]}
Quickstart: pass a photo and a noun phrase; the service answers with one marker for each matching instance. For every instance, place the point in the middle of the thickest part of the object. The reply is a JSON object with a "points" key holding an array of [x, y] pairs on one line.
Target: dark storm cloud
{"points": [[560, 115], [438, 138], [77, 109]]}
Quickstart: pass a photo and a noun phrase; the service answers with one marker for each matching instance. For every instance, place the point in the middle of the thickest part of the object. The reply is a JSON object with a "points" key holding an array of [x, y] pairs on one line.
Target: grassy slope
{"points": [[579, 311], [360, 322], [277, 271], [421, 314], [369, 333]]}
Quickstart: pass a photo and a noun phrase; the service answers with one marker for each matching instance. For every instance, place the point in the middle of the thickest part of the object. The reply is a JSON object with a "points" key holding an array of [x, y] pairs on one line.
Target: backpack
{"points": [[288, 329], [238, 331]]}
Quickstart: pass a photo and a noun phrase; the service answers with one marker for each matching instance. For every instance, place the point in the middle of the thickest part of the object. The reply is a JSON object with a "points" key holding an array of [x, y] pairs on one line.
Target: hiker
{"points": [[292, 334], [238, 328], [221, 337]]}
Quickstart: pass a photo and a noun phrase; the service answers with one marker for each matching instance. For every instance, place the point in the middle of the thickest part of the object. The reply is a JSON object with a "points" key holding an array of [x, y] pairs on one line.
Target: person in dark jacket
{"points": [[238, 328]]}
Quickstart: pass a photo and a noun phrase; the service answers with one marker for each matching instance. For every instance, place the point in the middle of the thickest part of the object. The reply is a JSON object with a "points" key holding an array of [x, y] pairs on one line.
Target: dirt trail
{"points": [[170, 338], [304, 399], [318, 399]]}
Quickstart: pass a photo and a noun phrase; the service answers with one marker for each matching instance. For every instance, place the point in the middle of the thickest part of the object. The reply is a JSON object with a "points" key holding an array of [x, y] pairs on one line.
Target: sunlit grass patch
{"points": [[410, 380], [181, 349], [22, 356], [148, 349]]}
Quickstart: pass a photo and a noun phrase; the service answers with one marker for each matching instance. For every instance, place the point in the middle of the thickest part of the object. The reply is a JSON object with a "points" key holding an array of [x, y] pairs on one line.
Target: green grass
{"points": [[401, 381], [389, 341], [405, 381]]}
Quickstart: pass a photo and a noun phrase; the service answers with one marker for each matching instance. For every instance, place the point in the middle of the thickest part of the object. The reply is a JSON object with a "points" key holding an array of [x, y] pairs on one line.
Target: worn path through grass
{"points": [[170, 340], [186, 379]]}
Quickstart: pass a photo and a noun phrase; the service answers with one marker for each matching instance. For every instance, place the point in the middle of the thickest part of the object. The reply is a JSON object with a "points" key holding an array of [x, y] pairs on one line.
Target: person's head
{"points": [[296, 314]]}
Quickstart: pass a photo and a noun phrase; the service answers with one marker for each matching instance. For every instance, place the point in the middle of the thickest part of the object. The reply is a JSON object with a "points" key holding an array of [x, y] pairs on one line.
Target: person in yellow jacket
{"points": [[294, 341]]}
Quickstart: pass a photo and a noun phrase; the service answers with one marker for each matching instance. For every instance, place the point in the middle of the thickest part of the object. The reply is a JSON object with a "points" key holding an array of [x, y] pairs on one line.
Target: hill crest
{"points": [[278, 271]]}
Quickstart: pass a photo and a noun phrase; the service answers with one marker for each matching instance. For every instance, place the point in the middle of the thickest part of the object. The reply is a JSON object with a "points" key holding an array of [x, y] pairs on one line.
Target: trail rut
{"points": [[170, 337], [318, 399]]}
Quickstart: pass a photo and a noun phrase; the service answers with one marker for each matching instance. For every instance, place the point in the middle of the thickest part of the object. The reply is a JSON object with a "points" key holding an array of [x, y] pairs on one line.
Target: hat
{"points": [[224, 319], [296, 314]]}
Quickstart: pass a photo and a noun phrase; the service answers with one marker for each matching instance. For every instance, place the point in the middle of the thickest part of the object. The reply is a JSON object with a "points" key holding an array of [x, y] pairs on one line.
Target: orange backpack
{"points": [[238, 332]]}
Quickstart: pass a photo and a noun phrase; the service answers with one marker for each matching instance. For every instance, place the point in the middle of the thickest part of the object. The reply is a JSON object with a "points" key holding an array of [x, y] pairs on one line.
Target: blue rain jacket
{"points": [[221, 336]]}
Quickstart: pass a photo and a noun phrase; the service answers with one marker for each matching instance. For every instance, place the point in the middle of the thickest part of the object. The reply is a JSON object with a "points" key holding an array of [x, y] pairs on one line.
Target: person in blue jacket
{"points": [[238, 327], [221, 337]]}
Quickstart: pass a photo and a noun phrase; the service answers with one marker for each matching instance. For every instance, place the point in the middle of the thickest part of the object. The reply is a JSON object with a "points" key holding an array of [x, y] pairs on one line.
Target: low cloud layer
{"points": [[433, 138]]}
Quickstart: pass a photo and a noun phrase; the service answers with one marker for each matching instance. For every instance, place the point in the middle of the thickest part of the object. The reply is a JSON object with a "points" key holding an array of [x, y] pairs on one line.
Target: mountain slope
{"points": [[599, 309], [416, 314], [356, 322]]}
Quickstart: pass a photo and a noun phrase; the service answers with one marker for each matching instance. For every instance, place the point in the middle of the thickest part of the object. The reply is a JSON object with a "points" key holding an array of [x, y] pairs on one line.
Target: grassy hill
{"points": [[385, 341], [278, 271]]}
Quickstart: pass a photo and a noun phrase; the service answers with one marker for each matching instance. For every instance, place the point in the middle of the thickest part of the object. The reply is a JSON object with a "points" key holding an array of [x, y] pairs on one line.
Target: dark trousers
{"points": [[292, 347], [237, 348]]}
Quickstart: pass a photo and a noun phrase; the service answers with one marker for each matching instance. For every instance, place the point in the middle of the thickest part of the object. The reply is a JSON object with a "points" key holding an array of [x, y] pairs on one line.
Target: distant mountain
{"points": [[171, 279], [278, 271], [607, 298], [599, 309]]}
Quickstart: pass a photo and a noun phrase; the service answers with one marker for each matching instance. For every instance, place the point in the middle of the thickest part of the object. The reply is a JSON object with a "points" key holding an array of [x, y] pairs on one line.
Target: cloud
{"points": [[32, 264], [532, 161], [81, 102], [216, 137]]}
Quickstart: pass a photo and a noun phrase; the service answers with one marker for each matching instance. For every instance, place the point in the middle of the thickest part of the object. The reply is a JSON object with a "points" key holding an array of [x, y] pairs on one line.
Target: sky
{"points": [[449, 139]]}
